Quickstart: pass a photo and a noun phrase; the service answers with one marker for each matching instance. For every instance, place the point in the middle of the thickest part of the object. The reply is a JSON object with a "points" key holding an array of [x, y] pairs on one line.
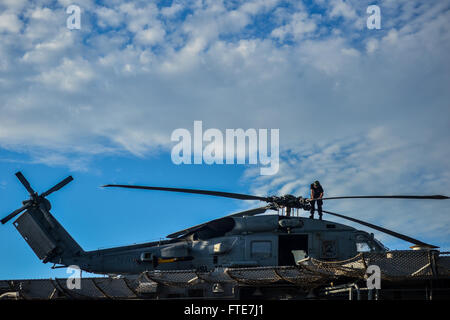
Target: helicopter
{"points": [[247, 238]]}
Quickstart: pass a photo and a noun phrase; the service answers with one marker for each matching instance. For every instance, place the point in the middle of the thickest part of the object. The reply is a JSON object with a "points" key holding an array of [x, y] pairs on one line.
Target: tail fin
{"points": [[45, 235], [48, 239]]}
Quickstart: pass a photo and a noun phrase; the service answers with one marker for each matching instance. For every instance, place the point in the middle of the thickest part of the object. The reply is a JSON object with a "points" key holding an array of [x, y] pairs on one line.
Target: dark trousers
{"points": [[319, 208]]}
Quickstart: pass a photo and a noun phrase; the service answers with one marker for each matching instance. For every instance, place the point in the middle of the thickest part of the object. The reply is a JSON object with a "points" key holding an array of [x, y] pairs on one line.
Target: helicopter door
{"points": [[289, 243]]}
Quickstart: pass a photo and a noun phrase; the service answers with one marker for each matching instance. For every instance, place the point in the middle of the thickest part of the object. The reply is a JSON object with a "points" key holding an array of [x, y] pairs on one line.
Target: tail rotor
{"points": [[36, 200]]}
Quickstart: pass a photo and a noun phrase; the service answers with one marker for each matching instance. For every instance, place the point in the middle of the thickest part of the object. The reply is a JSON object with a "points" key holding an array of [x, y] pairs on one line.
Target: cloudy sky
{"points": [[365, 111]]}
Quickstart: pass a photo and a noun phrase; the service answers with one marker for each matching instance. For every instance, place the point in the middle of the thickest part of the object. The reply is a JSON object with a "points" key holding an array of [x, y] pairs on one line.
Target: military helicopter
{"points": [[244, 239]]}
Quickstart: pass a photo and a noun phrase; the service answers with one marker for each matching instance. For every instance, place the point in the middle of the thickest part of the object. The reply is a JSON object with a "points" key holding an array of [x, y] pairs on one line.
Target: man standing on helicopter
{"points": [[316, 193]]}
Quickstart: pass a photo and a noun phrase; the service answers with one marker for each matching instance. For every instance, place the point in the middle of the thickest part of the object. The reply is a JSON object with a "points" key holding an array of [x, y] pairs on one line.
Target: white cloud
{"points": [[342, 8], [257, 6], [108, 17], [172, 10], [330, 55], [126, 82], [150, 36], [299, 25], [371, 45], [137, 17], [70, 75], [42, 14], [392, 37], [13, 5], [9, 22], [46, 52]]}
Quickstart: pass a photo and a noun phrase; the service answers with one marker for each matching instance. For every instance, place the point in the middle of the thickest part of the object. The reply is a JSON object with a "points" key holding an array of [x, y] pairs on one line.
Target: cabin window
{"points": [[261, 249], [146, 256]]}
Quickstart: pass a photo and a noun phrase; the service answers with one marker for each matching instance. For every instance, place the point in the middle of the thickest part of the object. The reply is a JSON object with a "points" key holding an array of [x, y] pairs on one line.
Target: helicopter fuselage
{"points": [[267, 240]]}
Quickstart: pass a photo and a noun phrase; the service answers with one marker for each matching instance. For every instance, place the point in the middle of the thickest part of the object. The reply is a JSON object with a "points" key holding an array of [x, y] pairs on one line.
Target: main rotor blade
{"points": [[433, 197], [195, 191], [387, 231], [250, 212], [14, 213], [25, 182], [57, 186]]}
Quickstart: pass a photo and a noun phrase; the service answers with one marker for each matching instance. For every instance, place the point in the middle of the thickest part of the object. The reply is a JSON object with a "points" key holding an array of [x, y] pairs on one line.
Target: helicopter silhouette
{"points": [[247, 238]]}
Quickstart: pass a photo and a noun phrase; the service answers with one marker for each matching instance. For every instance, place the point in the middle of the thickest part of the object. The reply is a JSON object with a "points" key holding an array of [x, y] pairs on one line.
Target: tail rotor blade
{"points": [[35, 200], [25, 182], [14, 213], [57, 186], [384, 230]]}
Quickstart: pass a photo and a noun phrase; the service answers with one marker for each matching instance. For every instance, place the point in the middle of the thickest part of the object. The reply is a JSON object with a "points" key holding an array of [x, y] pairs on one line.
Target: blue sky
{"points": [[363, 111]]}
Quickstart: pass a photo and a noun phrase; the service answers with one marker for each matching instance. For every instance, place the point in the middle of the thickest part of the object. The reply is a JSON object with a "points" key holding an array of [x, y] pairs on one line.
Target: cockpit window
{"points": [[367, 243], [362, 247]]}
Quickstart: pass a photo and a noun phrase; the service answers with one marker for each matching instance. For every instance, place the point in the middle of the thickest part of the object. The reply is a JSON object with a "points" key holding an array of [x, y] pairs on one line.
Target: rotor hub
{"points": [[289, 201]]}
